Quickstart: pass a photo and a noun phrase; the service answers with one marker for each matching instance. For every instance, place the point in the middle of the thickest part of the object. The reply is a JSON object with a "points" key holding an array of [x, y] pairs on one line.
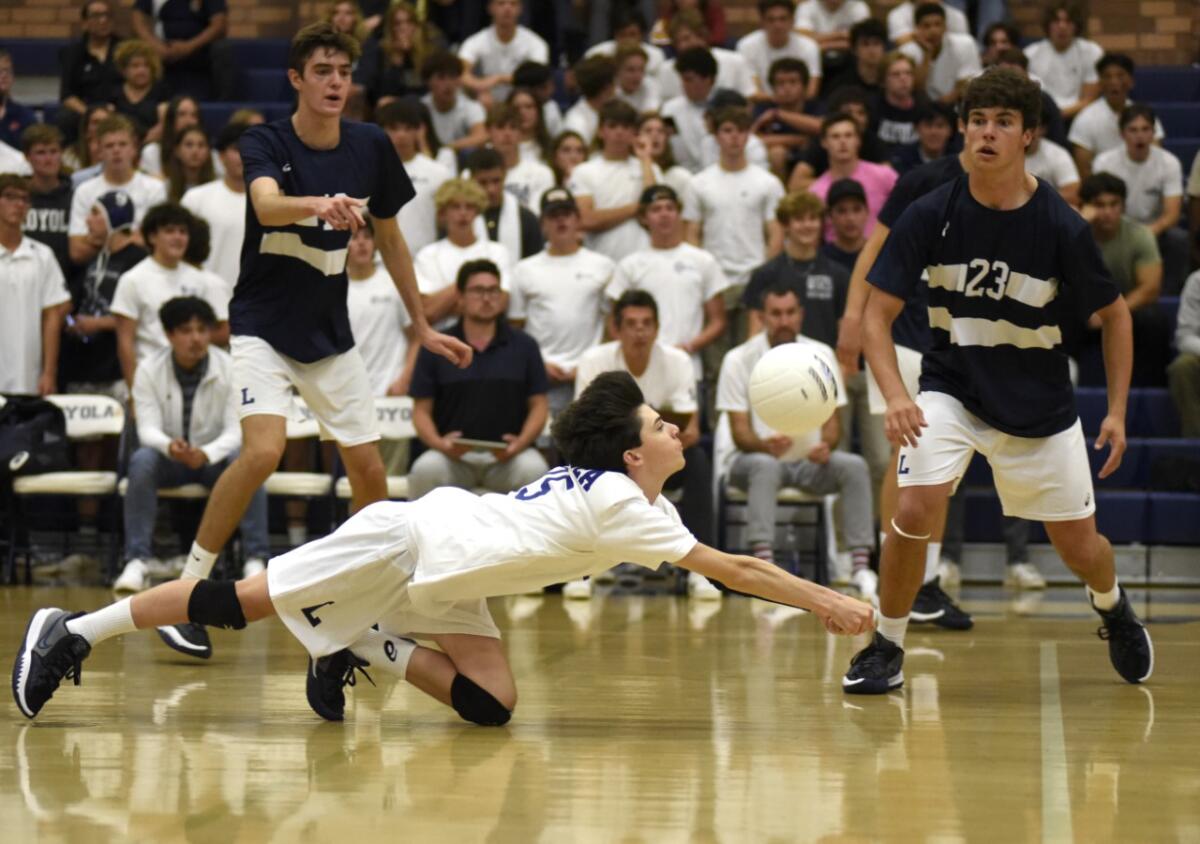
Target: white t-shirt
{"points": [[1147, 183], [568, 524], [552, 117], [760, 55], [147, 287], [815, 16], [688, 141], [150, 161], [679, 179], [418, 217], [437, 264], [681, 280], [611, 184], [733, 207], [225, 212], [145, 191], [654, 55], [669, 382], [582, 118], [487, 55], [958, 60], [756, 152], [561, 299], [1052, 163], [12, 161], [733, 395], [377, 320], [647, 97], [1097, 127], [528, 181], [900, 20], [1064, 74], [457, 122], [30, 282], [733, 72]]}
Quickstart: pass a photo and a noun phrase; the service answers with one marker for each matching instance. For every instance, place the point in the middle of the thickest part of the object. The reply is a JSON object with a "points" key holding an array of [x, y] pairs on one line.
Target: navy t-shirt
{"points": [[291, 290], [1002, 284]]}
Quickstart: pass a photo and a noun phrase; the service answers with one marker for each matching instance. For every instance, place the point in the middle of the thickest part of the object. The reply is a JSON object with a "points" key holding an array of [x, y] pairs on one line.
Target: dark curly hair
{"points": [[596, 429]]}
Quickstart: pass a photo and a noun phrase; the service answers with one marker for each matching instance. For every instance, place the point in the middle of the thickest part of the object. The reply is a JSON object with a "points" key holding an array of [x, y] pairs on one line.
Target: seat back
{"points": [[90, 415], [394, 414]]}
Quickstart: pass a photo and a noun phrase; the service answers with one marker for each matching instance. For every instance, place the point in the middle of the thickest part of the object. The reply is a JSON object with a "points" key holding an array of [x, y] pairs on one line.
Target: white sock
{"points": [[389, 654], [1105, 600], [882, 539], [933, 555], [113, 620], [893, 629], [199, 563]]}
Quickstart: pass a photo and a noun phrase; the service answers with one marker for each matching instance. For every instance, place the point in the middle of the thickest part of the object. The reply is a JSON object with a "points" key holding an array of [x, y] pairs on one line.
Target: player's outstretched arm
{"points": [[903, 419], [752, 576], [273, 208]]}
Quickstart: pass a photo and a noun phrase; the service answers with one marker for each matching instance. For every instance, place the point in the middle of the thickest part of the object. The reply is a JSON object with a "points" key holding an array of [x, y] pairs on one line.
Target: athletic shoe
{"points": [[606, 576], [1024, 576], [327, 680], [933, 606], [1129, 646], [253, 566], [191, 639], [133, 579], [48, 654], [867, 584], [876, 669], [700, 588], [578, 590], [949, 574]]}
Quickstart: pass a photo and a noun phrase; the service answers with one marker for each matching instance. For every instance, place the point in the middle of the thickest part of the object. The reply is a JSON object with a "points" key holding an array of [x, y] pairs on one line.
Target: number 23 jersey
{"points": [[1003, 287]]}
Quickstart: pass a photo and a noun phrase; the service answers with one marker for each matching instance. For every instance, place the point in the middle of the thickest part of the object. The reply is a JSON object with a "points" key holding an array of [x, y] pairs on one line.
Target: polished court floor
{"points": [[641, 719]]}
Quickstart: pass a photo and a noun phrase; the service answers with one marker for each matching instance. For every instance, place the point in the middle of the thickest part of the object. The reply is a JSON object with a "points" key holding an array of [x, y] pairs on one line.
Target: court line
{"points": [[1056, 792]]}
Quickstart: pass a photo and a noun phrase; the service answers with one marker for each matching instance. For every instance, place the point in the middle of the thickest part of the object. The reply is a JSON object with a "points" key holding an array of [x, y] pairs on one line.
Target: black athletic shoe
{"points": [[48, 654], [327, 679], [191, 639], [876, 669], [933, 606], [1129, 646]]}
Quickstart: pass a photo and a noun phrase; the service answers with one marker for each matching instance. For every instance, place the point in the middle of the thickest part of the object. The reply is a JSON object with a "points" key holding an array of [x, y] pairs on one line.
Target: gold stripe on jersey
{"points": [[973, 331], [1020, 287], [289, 244]]}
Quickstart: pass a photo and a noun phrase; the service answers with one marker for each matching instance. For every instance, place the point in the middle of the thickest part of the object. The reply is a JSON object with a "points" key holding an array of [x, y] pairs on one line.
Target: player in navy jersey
{"points": [[1010, 264], [398, 570], [311, 178]]}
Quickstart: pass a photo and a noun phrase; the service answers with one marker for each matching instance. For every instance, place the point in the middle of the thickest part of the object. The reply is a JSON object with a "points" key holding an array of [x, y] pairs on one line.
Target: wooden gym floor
{"points": [[641, 719]]}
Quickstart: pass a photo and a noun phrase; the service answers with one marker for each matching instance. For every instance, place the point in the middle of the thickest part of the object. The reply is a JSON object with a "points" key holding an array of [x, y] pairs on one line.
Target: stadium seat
{"points": [[1151, 413], [1179, 119], [731, 519], [1134, 471], [1167, 84], [268, 85], [1173, 518], [1092, 405], [1184, 149], [1170, 309], [37, 56], [260, 52], [216, 115]]}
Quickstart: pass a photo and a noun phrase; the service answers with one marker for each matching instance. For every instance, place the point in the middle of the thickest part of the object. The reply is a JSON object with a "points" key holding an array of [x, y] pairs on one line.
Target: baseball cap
{"points": [[657, 192], [117, 206], [845, 189], [558, 199]]}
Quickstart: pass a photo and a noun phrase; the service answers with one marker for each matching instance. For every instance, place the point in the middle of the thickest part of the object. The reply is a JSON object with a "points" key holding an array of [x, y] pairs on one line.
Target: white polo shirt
{"points": [[30, 282]]}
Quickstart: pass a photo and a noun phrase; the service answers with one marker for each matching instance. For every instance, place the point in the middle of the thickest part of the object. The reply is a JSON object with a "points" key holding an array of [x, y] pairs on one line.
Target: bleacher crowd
{"points": [[621, 191]]}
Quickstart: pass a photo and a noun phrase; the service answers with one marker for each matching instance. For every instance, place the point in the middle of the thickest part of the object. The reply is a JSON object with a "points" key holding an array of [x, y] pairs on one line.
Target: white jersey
{"points": [[225, 212], [561, 300], [568, 524], [377, 320], [147, 287]]}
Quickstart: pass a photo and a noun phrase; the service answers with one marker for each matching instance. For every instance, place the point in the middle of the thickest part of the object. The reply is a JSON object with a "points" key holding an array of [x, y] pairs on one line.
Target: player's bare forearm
{"points": [[849, 341], [880, 312], [52, 319], [1116, 338], [397, 257]]}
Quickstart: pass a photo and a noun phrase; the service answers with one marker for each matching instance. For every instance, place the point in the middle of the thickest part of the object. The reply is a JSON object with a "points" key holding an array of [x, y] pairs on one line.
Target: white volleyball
{"points": [[793, 388]]}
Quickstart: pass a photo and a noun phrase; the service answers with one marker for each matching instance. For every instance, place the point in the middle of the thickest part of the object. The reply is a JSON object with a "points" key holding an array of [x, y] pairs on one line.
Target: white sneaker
{"points": [[867, 584], [949, 574], [253, 566], [133, 579], [578, 590], [701, 589], [1024, 576]]}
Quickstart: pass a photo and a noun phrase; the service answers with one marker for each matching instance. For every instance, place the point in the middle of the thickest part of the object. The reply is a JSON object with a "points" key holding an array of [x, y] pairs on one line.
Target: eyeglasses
{"points": [[481, 292]]}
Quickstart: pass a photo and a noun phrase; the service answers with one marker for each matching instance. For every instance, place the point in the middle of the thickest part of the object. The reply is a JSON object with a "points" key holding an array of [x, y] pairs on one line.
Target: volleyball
{"points": [[793, 388]]}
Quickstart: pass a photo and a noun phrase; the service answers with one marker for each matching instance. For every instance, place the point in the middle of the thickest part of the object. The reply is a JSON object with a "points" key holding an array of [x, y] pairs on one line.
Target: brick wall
{"points": [[1152, 31]]}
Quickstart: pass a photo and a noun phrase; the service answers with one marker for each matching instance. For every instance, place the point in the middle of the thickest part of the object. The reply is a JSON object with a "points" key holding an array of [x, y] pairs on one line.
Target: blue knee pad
{"points": [[477, 705], [214, 603]]}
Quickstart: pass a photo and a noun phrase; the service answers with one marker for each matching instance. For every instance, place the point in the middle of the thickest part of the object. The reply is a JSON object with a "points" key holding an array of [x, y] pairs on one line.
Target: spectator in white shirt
{"points": [[505, 220], [596, 78], [629, 30], [608, 185], [11, 161], [688, 30], [222, 204], [491, 55], [402, 120], [697, 76], [635, 85], [457, 119], [538, 78], [1097, 128], [35, 298], [1064, 60], [557, 296], [525, 178], [534, 141], [945, 60], [900, 24], [776, 40], [654, 133], [1047, 160], [828, 22]]}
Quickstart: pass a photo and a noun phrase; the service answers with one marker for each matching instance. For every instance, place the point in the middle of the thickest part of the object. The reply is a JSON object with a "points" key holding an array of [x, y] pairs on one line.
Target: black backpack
{"points": [[33, 437]]}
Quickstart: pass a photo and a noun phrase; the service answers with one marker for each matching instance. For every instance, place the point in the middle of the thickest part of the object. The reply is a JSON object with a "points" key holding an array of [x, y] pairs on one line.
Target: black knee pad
{"points": [[476, 704], [214, 603]]}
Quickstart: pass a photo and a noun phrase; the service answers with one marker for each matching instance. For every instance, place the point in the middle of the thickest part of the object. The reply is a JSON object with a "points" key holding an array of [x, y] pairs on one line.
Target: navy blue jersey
{"points": [[1002, 284], [291, 290]]}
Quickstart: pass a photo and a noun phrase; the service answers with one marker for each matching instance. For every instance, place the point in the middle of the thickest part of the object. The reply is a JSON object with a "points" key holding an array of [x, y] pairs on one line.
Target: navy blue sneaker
{"points": [[1129, 645], [934, 606], [49, 654], [876, 669], [191, 639], [327, 680]]}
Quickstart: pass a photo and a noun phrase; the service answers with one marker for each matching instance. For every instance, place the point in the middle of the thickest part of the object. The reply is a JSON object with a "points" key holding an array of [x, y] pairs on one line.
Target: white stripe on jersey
{"points": [[972, 331], [329, 262], [1020, 287]]}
